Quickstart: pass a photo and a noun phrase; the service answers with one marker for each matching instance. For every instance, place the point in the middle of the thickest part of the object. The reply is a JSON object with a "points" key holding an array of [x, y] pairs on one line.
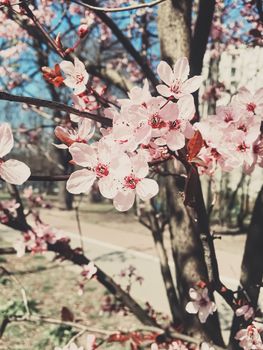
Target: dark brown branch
{"points": [[120, 9], [157, 233], [55, 106], [200, 38], [126, 43], [48, 178]]}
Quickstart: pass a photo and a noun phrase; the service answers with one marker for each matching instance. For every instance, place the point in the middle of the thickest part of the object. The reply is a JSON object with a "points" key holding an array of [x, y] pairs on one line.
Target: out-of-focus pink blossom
{"points": [[246, 311], [249, 338], [200, 304]]}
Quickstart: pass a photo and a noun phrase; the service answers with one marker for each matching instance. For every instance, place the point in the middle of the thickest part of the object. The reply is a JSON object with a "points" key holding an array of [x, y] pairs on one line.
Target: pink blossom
{"points": [[135, 183], [179, 126], [89, 270], [103, 162], [76, 75], [246, 311], [176, 81], [252, 103], [68, 136], [249, 338], [10, 205], [12, 171], [200, 304]]}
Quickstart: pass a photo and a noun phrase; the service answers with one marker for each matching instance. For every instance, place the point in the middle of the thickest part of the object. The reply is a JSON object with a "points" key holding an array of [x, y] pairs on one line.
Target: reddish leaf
{"points": [[194, 145], [66, 314]]}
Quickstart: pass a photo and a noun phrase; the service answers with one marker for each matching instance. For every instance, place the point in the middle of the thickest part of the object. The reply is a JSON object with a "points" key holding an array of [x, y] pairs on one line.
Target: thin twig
{"points": [[78, 223], [120, 9], [21, 287]]}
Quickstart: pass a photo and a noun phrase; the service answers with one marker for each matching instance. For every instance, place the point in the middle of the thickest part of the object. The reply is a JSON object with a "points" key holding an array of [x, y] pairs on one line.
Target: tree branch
{"points": [[55, 106], [145, 68], [120, 9]]}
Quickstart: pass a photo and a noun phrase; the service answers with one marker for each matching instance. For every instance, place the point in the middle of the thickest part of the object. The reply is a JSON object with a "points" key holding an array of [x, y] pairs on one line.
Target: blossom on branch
{"points": [[177, 84], [200, 304], [12, 171], [76, 75], [249, 338]]}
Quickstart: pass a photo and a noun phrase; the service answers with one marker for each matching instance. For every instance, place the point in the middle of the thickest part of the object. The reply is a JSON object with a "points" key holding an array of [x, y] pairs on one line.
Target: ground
{"points": [[114, 241], [51, 286]]}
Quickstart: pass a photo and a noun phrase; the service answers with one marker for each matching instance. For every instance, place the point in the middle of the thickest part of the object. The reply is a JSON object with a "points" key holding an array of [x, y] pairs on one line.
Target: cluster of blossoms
{"points": [[148, 128], [179, 345], [144, 129], [232, 137], [249, 338], [8, 209], [37, 239]]}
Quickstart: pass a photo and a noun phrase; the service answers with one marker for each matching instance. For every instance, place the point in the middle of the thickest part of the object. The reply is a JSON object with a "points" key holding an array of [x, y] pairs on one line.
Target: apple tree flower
{"points": [[200, 304], [176, 82], [76, 75], [11, 170]]}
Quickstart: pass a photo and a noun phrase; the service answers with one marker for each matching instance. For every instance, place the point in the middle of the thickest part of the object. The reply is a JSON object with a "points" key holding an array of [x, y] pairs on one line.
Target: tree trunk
{"points": [[174, 26]]}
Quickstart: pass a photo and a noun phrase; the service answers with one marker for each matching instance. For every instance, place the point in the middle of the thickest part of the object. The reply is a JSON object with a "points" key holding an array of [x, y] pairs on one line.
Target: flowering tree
{"points": [[147, 142]]}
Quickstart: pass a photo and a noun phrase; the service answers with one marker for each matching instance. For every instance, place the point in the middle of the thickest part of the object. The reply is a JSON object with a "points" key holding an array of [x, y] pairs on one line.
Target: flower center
{"points": [[228, 118], [251, 107], [175, 125], [156, 122], [203, 302], [175, 87], [131, 181], [102, 170], [215, 154], [242, 127], [79, 78], [242, 147]]}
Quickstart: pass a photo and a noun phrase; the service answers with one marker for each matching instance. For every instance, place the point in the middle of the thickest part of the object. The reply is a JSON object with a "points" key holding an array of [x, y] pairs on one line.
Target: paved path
{"points": [[114, 249]]}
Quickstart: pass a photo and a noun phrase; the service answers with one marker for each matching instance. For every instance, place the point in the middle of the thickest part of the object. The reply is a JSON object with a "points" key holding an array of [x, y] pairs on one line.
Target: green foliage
{"points": [[56, 336], [4, 280], [16, 308]]}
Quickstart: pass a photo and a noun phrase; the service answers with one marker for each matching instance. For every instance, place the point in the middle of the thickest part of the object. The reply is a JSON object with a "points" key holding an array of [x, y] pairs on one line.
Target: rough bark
{"points": [[189, 259], [174, 26], [174, 20]]}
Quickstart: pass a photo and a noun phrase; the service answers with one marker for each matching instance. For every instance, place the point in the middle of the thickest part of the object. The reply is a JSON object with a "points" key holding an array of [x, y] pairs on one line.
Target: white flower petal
{"points": [[14, 172], [124, 200], [147, 188], [80, 181], [6, 139]]}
